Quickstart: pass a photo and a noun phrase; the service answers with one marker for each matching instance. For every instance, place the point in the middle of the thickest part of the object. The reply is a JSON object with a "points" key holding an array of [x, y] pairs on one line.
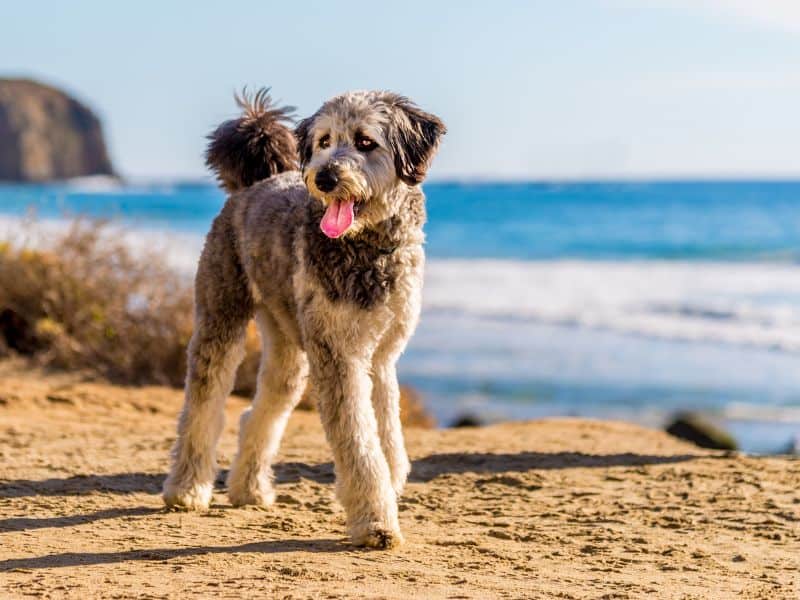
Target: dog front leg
{"points": [[342, 386]]}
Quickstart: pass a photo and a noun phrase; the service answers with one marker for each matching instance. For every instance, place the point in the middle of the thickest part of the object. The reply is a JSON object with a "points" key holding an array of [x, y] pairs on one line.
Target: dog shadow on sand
{"points": [[423, 470]]}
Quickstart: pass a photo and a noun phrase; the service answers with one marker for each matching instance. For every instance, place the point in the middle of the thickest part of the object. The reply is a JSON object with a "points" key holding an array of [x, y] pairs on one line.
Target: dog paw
{"points": [[246, 496], [378, 536], [194, 497], [249, 487]]}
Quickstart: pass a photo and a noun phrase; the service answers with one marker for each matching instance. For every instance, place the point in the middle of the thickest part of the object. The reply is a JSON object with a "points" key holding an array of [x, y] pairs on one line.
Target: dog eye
{"points": [[324, 141], [365, 144]]}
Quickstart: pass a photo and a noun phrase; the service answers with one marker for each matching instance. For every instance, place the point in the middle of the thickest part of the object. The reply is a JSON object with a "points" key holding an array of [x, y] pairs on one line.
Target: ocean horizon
{"points": [[611, 299]]}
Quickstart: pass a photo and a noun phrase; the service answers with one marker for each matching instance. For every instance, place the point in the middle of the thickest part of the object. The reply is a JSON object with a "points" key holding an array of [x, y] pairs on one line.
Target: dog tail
{"points": [[256, 146]]}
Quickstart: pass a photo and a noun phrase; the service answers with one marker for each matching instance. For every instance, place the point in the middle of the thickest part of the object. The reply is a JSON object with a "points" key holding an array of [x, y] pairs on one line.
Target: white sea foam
{"points": [[754, 304], [179, 250], [751, 304], [95, 184]]}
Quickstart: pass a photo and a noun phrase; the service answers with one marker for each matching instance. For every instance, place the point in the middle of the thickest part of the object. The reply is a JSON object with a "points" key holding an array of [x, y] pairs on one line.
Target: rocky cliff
{"points": [[45, 134]]}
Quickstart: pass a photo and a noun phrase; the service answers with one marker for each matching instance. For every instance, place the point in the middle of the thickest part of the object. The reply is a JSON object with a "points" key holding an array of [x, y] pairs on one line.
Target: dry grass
{"points": [[84, 301]]}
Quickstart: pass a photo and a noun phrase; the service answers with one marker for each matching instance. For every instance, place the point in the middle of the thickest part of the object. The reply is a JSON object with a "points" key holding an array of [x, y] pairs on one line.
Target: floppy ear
{"points": [[414, 138], [304, 142]]}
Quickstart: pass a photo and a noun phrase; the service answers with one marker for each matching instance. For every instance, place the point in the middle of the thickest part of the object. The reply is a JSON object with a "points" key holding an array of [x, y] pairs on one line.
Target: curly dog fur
{"points": [[320, 241]]}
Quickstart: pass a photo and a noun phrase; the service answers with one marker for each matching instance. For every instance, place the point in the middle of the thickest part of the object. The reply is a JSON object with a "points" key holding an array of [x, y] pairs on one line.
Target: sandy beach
{"points": [[558, 508]]}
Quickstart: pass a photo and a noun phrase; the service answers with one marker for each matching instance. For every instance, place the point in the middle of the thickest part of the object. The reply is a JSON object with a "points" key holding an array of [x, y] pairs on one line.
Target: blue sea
{"points": [[608, 300]]}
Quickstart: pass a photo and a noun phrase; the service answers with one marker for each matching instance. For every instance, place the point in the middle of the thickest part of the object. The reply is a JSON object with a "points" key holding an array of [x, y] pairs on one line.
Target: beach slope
{"points": [[563, 508]]}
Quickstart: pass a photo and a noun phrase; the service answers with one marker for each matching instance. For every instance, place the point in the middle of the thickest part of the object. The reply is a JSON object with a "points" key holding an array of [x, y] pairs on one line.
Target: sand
{"points": [[558, 508]]}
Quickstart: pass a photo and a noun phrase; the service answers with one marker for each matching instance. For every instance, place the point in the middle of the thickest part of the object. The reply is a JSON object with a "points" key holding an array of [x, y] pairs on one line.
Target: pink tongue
{"points": [[337, 218]]}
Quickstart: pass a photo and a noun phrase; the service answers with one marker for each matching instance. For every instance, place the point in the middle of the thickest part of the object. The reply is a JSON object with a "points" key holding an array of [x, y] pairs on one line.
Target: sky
{"points": [[573, 89]]}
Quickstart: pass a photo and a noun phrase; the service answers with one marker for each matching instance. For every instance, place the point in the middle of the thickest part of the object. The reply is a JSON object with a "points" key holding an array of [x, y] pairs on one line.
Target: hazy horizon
{"points": [[434, 178]]}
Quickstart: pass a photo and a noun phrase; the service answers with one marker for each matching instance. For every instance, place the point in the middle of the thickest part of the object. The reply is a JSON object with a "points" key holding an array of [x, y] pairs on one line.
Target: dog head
{"points": [[358, 150]]}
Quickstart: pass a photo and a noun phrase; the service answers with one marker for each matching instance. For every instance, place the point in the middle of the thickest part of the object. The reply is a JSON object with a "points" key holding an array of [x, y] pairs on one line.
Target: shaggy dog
{"points": [[329, 261]]}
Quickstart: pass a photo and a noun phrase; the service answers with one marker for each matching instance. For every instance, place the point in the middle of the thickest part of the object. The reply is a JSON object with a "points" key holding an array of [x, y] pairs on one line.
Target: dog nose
{"points": [[326, 180]]}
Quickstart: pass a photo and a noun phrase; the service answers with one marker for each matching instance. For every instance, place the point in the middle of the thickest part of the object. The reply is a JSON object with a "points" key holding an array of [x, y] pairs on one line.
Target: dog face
{"points": [[358, 149]]}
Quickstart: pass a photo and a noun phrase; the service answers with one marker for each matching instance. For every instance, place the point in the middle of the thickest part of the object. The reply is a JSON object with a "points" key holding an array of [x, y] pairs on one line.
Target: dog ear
{"points": [[255, 146], [414, 138], [304, 142]]}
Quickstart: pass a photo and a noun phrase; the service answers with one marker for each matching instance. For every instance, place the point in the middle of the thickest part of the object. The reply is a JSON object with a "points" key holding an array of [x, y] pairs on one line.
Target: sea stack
{"points": [[47, 135]]}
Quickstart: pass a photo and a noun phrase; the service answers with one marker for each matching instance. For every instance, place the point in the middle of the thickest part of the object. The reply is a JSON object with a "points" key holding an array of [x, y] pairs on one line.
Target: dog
{"points": [[320, 241]]}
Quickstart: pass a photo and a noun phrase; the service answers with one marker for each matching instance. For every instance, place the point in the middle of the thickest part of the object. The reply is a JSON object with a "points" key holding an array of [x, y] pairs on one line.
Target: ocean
{"points": [[607, 300]]}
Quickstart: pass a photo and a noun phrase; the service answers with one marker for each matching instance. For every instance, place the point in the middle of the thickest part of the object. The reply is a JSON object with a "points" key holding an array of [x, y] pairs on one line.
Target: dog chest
{"points": [[353, 270]]}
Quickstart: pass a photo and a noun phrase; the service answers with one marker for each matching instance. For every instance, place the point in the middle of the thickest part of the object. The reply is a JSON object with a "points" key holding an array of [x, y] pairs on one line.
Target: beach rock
{"points": [[468, 420], [793, 447], [47, 135], [696, 429]]}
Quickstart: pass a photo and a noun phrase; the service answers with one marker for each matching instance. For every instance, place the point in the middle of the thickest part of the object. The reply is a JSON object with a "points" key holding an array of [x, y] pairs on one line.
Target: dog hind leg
{"points": [[223, 307], [386, 394], [386, 404], [281, 380], [213, 359]]}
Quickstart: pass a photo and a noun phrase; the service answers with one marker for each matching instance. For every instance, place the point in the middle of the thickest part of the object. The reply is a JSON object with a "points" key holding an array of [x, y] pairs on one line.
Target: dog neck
{"points": [[403, 221], [397, 218]]}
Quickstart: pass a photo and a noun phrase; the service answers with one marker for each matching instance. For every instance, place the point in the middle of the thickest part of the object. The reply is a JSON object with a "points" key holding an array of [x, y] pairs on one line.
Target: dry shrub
{"points": [[84, 301], [412, 409]]}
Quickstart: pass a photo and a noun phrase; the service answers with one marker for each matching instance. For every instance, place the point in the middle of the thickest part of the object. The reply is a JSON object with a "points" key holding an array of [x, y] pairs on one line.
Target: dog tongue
{"points": [[337, 218]]}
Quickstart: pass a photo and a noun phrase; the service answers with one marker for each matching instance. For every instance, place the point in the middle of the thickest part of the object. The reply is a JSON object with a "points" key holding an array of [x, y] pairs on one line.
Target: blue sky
{"points": [[555, 89]]}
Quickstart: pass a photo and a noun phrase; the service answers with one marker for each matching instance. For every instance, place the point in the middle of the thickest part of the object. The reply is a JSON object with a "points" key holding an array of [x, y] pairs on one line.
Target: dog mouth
{"points": [[339, 216]]}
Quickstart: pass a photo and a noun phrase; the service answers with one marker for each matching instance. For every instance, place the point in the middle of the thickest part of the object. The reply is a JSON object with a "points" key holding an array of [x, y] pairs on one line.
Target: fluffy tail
{"points": [[256, 146]]}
